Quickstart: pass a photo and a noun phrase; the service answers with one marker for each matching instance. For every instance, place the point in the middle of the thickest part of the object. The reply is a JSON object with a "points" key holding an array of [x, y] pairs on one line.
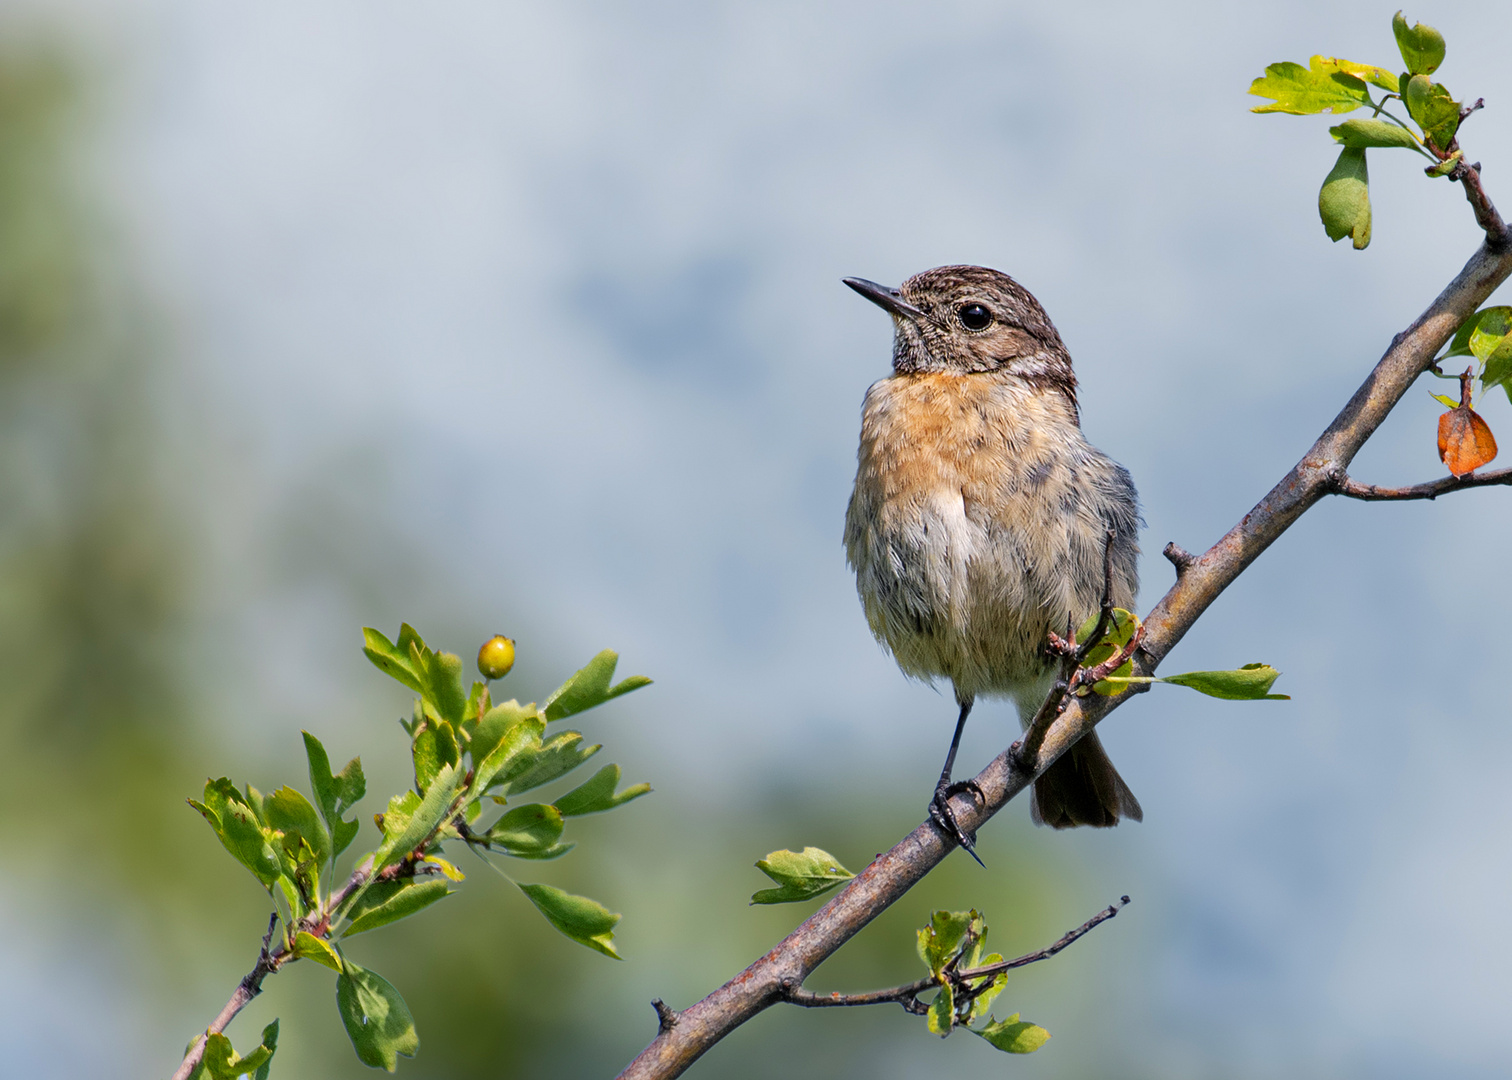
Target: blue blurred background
{"points": [[527, 318]]}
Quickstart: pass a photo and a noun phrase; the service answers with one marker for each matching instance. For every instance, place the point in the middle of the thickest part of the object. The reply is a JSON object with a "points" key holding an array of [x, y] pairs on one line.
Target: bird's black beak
{"points": [[889, 300]]}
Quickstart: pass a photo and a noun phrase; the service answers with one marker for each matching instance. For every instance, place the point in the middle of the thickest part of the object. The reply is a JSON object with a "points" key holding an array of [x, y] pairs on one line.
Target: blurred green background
{"points": [[525, 318]]}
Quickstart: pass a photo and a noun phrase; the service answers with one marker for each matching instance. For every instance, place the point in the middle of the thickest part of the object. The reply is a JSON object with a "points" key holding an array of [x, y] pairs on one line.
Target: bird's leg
{"points": [[939, 806]]}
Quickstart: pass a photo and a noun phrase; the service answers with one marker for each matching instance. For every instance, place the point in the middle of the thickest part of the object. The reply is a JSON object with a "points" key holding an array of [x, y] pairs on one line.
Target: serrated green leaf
{"points": [[401, 903], [377, 1020], [800, 875], [440, 682], [335, 795], [393, 661], [942, 1011], [1301, 91], [221, 1061], [1363, 133], [430, 813], [1014, 1036], [946, 934], [583, 920], [1252, 682], [435, 745], [527, 832], [236, 823], [598, 795], [589, 687], [270, 1041], [1433, 109], [551, 761], [288, 811], [309, 947], [1344, 200], [1369, 72], [499, 721], [516, 748], [1422, 47]]}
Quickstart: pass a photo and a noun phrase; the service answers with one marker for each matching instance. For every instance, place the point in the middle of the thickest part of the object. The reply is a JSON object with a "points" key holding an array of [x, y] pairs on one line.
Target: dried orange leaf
{"points": [[1465, 443]]}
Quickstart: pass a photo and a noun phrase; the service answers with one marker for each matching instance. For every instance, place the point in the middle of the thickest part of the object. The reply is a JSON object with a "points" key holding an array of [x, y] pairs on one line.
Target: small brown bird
{"points": [[981, 515]]}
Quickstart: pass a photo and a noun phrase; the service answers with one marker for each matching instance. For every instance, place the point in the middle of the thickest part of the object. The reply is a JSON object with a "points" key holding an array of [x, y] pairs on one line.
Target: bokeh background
{"points": [[527, 318]]}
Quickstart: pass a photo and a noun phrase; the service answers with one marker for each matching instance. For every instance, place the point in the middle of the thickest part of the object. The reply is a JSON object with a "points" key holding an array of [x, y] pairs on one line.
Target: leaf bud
{"points": [[496, 657]]}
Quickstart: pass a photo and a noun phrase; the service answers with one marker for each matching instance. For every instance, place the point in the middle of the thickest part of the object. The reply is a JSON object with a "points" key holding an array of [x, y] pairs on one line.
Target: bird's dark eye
{"points": [[974, 316]]}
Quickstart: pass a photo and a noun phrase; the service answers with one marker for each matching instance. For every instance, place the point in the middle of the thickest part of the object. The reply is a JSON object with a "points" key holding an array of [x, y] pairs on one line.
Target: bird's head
{"points": [[965, 319]]}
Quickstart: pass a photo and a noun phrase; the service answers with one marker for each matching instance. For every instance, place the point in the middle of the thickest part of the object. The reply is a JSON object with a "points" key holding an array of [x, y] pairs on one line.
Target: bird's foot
{"points": [[943, 816]]}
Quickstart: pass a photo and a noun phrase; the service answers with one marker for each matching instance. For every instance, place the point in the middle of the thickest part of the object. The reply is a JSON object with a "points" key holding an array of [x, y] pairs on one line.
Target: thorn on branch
{"points": [[666, 1016], [1180, 557]]}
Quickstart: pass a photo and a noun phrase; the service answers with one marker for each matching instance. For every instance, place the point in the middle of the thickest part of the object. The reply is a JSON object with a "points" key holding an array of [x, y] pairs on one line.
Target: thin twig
{"points": [[1180, 557], [1348, 486], [907, 995]]}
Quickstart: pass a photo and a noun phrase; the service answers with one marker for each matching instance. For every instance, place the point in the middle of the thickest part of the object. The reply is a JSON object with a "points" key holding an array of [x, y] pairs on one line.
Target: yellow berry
{"points": [[496, 657]]}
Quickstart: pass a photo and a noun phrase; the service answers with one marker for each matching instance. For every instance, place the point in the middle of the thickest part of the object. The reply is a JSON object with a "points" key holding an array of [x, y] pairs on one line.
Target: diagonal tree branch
{"points": [[686, 1036]]}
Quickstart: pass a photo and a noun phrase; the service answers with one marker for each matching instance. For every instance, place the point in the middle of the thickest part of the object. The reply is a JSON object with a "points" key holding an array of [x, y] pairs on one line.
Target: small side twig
{"points": [[666, 1016], [1180, 557], [907, 995], [1346, 485]]}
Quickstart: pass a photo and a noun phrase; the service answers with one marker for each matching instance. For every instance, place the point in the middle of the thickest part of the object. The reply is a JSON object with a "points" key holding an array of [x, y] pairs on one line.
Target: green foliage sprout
{"points": [[469, 756], [1329, 84]]}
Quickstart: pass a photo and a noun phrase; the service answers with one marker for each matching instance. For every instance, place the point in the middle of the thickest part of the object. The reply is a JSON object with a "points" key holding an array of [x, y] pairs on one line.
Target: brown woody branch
{"points": [[1199, 582], [908, 994]]}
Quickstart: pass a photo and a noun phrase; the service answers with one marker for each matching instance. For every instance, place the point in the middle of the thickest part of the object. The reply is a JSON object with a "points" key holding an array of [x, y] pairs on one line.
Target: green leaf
{"points": [[507, 742], [597, 795], [1301, 91], [590, 687], [1344, 201], [232, 817], [1252, 682], [1369, 72], [800, 875], [440, 677], [551, 761], [1014, 1035], [399, 904], [1435, 111], [1489, 332], [221, 1062], [1446, 401], [528, 832], [946, 934], [335, 795], [583, 920], [377, 1020], [288, 811], [1447, 166], [392, 660], [309, 947], [942, 1011], [435, 745], [431, 812], [1422, 47], [270, 1042], [983, 1001], [1363, 133], [496, 723], [1498, 365], [1460, 345]]}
